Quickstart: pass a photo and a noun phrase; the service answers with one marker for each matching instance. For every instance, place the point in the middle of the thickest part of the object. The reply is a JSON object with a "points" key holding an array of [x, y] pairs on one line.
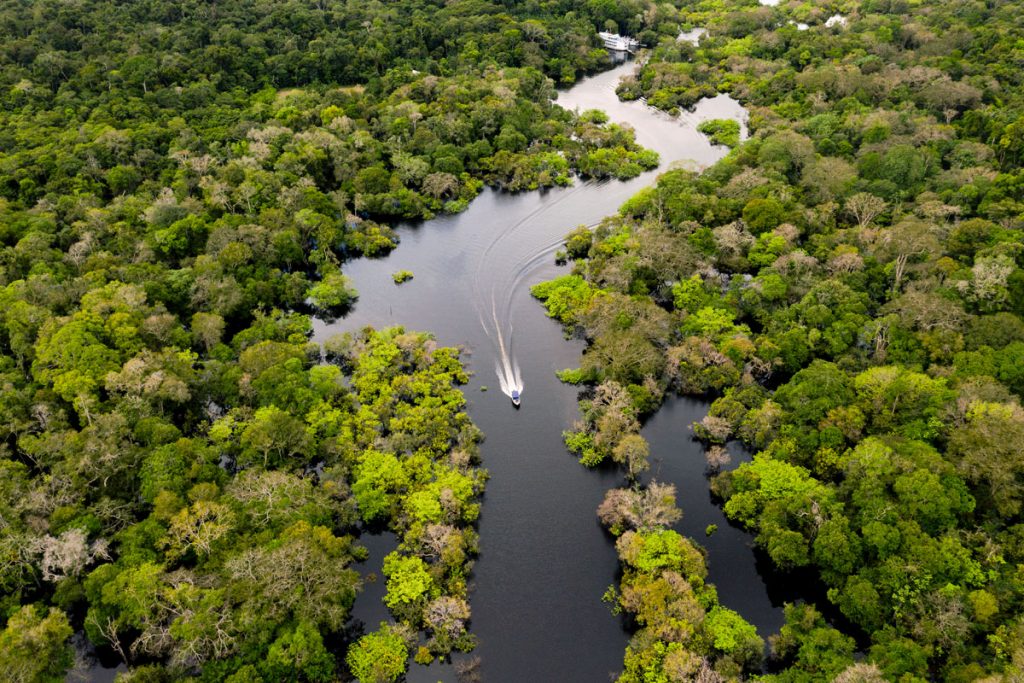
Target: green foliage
{"points": [[299, 655], [732, 635], [267, 549], [898, 400], [811, 649], [663, 588], [690, 294], [332, 292], [845, 284], [565, 298], [709, 322], [378, 657], [380, 480], [857, 259], [578, 242], [764, 481], [655, 551], [35, 648], [409, 581], [582, 444], [721, 131], [762, 215], [575, 376]]}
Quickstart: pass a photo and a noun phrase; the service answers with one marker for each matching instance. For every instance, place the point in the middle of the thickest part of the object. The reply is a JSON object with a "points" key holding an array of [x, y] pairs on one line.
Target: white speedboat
{"points": [[515, 397]]}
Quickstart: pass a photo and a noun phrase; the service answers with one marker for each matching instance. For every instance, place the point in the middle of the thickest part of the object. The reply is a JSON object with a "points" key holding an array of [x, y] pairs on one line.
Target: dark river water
{"points": [[545, 561]]}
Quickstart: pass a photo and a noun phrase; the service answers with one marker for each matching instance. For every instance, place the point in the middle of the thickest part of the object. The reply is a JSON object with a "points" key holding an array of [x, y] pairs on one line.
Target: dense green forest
{"points": [[185, 473], [180, 184], [848, 286]]}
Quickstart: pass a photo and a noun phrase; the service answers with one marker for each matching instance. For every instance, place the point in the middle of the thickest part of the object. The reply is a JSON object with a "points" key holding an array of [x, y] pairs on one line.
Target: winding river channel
{"points": [[545, 561]]}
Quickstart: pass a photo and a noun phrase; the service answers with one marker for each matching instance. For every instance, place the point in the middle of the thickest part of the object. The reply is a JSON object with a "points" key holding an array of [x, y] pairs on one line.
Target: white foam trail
{"points": [[508, 377], [507, 368]]}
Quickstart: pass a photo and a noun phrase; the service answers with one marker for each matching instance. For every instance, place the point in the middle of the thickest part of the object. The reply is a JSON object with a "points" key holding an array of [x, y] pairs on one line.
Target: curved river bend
{"points": [[544, 561]]}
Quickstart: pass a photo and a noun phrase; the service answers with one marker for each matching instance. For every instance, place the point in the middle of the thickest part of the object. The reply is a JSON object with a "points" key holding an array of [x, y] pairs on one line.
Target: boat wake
{"points": [[508, 267], [506, 366], [509, 378]]}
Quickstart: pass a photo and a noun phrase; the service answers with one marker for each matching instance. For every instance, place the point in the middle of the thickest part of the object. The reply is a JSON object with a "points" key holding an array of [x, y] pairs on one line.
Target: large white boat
{"points": [[515, 398], [613, 41]]}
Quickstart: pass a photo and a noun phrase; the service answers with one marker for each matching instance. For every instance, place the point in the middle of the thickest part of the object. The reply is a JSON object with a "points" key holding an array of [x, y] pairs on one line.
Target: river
{"points": [[545, 561]]}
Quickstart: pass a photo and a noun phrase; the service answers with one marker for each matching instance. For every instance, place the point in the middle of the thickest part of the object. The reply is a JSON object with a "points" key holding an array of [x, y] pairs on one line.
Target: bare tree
{"points": [[108, 629], [860, 673], [68, 554], [865, 207], [713, 428], [647, 508], [910, 240], [468, 670], [717, 458]]}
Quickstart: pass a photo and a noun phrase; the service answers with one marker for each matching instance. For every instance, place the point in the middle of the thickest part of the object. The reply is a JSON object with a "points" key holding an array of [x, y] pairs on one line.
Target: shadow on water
{"points": [[744, 575], [736, 568], [92, 665]]}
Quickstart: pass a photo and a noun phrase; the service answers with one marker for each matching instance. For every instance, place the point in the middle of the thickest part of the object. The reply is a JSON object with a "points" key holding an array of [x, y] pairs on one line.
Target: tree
{"points": [[303, 575], [379, 657], [68, 554], [969, 237], [814, 391], [372, 180], [632, 452], [439, 185], [732, 635], [828, 179], [990, 452], [860, 673], [333, 292], [564, 298], [1011, 143], [447, 617], [34, 648], [300, 655], [274, 435], [410, 585], [763, 215], [988, 284], [208, 328], [906, 242], [657, 550], [639, 509], [721, 131], [811, 648], [182, 238], [198, 528], [865, 207], [895, 398]]}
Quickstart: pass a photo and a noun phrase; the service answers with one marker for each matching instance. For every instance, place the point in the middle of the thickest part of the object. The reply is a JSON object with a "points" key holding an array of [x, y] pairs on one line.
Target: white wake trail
{"points": [[506, 367]]}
